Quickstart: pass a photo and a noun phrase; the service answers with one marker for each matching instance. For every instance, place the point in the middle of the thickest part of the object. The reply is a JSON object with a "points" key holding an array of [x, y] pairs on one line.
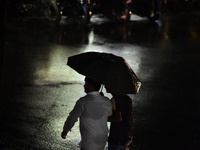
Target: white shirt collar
{"points": [[93, 93]]}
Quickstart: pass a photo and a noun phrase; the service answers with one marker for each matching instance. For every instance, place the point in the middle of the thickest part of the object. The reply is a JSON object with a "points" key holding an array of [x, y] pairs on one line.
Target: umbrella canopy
{"points": [[108, 69]]}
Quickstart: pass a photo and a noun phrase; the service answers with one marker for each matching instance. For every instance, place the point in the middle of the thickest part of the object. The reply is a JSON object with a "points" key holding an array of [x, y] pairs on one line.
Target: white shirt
{"points": [[93, 110]]}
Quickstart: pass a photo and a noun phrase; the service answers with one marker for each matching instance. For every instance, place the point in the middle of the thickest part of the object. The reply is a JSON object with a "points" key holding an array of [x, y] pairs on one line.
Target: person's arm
{"points": [[72, 119], [116, 117]]}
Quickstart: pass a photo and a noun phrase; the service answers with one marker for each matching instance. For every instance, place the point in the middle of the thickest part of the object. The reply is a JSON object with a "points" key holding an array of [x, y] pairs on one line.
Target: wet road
{"points": [[38, 90]]}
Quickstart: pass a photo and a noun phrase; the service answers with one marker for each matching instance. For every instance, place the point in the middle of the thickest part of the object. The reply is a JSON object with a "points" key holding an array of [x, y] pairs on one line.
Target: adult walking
{"points": [[93, 110], [120, 135]]}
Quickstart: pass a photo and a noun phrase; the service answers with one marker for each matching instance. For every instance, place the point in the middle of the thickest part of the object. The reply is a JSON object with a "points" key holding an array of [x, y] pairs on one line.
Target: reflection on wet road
{"points": [[39, 89]]}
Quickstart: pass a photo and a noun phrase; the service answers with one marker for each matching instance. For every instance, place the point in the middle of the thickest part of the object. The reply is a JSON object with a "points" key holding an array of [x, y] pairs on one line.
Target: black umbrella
{"points": [[108, 69]]}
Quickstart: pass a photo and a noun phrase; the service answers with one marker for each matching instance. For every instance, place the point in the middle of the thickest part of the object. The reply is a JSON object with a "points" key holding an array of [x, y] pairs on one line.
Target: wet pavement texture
{"points": [[38, 89]]}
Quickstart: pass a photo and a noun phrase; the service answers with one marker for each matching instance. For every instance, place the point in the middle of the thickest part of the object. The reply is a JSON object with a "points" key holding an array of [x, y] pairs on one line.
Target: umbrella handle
{"points": [[101, 89]]}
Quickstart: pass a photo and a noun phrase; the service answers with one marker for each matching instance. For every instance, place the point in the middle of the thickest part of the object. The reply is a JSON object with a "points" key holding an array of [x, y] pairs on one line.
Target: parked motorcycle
{"points": [[76, 11], [116, 10]]}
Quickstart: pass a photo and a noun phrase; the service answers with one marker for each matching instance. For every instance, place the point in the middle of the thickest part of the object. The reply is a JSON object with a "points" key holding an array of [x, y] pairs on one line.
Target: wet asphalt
{"points": [[38, 89]]}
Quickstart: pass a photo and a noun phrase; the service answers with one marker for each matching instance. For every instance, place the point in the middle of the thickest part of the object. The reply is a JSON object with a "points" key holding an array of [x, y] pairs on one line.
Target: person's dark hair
{"points": [[96, 84]]}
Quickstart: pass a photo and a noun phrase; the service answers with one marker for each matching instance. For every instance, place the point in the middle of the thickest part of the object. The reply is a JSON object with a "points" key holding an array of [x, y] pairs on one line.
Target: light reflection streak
{"points": [[56, 70], [91, 37]]}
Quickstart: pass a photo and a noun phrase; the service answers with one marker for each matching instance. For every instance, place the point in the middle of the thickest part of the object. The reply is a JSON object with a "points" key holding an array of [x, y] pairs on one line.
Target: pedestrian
{"points": [[93, 111], [120, 135]]}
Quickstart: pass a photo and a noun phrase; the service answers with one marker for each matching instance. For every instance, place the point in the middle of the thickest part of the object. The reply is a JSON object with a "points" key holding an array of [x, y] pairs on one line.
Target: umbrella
{"points": [[108, 69]]}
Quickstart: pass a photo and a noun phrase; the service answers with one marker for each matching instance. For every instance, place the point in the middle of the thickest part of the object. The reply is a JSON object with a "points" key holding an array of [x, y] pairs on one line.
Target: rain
{"points": [[38, 89]]}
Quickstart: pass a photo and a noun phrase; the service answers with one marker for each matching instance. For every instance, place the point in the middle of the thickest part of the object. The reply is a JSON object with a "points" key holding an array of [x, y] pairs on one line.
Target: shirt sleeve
{"points": [[73, 116]]}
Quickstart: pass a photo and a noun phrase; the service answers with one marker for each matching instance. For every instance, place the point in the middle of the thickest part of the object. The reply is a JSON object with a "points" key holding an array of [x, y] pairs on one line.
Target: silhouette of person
{"points": [[121, 125], [93, 111]]}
